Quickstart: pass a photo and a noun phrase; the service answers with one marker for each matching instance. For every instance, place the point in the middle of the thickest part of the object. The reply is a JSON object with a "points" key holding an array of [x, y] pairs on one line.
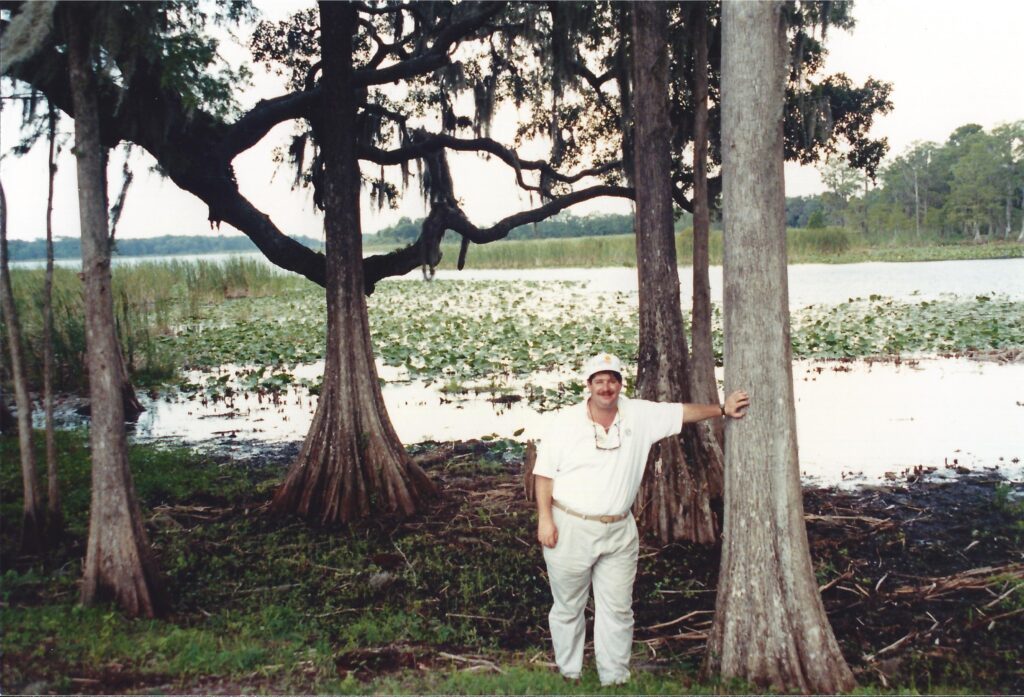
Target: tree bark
{"points": [[31, 512], [119, 565], [703, 385], [770, 626], [352, 464], [54, 513], [683, 473]]}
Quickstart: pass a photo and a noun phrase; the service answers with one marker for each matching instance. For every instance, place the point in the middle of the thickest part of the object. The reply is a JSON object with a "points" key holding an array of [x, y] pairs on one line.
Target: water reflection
{"points": [[857, 422]]}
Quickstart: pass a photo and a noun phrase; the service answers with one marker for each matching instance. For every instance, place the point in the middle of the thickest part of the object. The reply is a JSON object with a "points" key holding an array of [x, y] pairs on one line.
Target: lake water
{"points": [[808, 283], [856, 421]]}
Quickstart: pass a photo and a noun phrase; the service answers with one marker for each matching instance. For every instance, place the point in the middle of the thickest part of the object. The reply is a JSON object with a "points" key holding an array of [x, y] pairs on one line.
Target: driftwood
{"points": [[844, 519], [982, 578]]}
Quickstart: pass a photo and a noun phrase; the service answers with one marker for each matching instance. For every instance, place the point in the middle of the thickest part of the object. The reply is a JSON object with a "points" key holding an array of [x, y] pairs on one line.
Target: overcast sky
{"points": [[950, 64]]}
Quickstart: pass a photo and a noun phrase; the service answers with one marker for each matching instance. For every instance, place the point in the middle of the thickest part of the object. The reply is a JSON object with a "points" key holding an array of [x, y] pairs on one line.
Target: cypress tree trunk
{"points": [[352, 464], [702, 363], [54, 514], [31, 511], [118, 563], [674, 501], [770, 626]]}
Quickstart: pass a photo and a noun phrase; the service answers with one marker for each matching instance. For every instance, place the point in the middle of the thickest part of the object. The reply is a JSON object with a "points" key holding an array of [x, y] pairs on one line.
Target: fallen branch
{"points": [[476, 663], [995, 618], [837, 579], [502, 620], [891, 647], [981, 578], [838, 519], [677, 620], [1011, 589], [685, 636]]}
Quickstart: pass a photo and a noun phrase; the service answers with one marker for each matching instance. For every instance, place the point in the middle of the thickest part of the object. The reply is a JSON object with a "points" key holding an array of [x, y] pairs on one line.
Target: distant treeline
{"points": [[969, 187], [165, 245], [561, 225]]}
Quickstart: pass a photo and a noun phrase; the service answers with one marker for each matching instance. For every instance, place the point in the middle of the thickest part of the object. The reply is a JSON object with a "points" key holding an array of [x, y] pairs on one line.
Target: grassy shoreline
{"points": [[827, 246]]}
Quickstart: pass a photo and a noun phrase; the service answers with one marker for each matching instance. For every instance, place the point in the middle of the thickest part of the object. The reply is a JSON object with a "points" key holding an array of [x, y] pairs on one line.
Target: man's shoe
{"points": [[621, 680], [570, 677]]}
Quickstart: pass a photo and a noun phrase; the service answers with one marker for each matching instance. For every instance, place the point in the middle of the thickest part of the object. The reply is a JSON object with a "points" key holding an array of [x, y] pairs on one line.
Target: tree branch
{"points": [[429, 143], [596, 82], [458, 222], [446, 215], [257, 122], [434, 57]]}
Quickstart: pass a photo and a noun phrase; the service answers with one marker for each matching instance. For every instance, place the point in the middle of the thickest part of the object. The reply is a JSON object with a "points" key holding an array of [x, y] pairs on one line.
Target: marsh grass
{"points": [[151, 300], [804, 245]]}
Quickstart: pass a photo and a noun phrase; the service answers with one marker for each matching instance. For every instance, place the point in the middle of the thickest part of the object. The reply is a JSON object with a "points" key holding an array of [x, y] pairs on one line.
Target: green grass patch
{"points": [[804, 246], [163, 476], [86, 640]]}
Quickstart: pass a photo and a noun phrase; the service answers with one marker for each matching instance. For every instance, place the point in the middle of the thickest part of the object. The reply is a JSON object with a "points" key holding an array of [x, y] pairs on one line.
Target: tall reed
{"points": [[151, 299], [620, 250]]}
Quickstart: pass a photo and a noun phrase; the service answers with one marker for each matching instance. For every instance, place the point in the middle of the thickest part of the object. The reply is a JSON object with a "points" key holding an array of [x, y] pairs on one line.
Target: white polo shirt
{"points": [[603, 482]]}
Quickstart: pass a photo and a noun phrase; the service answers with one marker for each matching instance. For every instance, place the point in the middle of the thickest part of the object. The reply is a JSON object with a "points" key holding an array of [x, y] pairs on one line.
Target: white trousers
{"points": [[603, 554]]}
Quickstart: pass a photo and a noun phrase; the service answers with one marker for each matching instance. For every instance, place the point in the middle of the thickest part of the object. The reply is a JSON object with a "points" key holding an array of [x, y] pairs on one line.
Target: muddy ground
{"points": [[923, 581]]}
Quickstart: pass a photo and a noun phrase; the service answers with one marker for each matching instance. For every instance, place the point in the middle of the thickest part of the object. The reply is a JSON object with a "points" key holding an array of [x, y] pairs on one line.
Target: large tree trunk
{"points": [[770, 626], [54, 513], [682, 473], [704, 388], [119, 565], [352, 463], [31, 512]]}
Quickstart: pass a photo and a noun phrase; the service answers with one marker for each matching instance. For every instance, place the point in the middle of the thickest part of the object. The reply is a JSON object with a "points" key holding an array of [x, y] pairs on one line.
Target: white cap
{"points": [[600, 363]]}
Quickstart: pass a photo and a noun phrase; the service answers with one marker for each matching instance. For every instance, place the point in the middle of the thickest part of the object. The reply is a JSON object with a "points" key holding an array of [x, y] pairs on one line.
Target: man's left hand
{"points": [[736, 404]]}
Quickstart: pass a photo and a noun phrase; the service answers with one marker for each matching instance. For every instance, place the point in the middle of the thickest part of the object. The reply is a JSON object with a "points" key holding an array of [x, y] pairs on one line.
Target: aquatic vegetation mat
{"points": [[459, 333]]}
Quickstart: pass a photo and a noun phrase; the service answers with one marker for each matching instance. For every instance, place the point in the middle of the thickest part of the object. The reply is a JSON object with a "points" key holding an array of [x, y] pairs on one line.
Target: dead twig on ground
{"points": [[476, 663], [677, 620]]}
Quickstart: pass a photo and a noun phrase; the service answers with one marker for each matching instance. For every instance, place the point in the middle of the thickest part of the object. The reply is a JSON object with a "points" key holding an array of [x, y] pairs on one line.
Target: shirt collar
{"points": [[620, 413]]}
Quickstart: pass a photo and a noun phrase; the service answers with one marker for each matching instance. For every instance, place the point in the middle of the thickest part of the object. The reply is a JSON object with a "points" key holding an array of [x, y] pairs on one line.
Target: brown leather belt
{"points": [[584, 516]]}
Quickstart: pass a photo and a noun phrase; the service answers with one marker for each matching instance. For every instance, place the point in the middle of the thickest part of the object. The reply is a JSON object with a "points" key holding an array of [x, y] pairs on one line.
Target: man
{"points": [[587, 474]]}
